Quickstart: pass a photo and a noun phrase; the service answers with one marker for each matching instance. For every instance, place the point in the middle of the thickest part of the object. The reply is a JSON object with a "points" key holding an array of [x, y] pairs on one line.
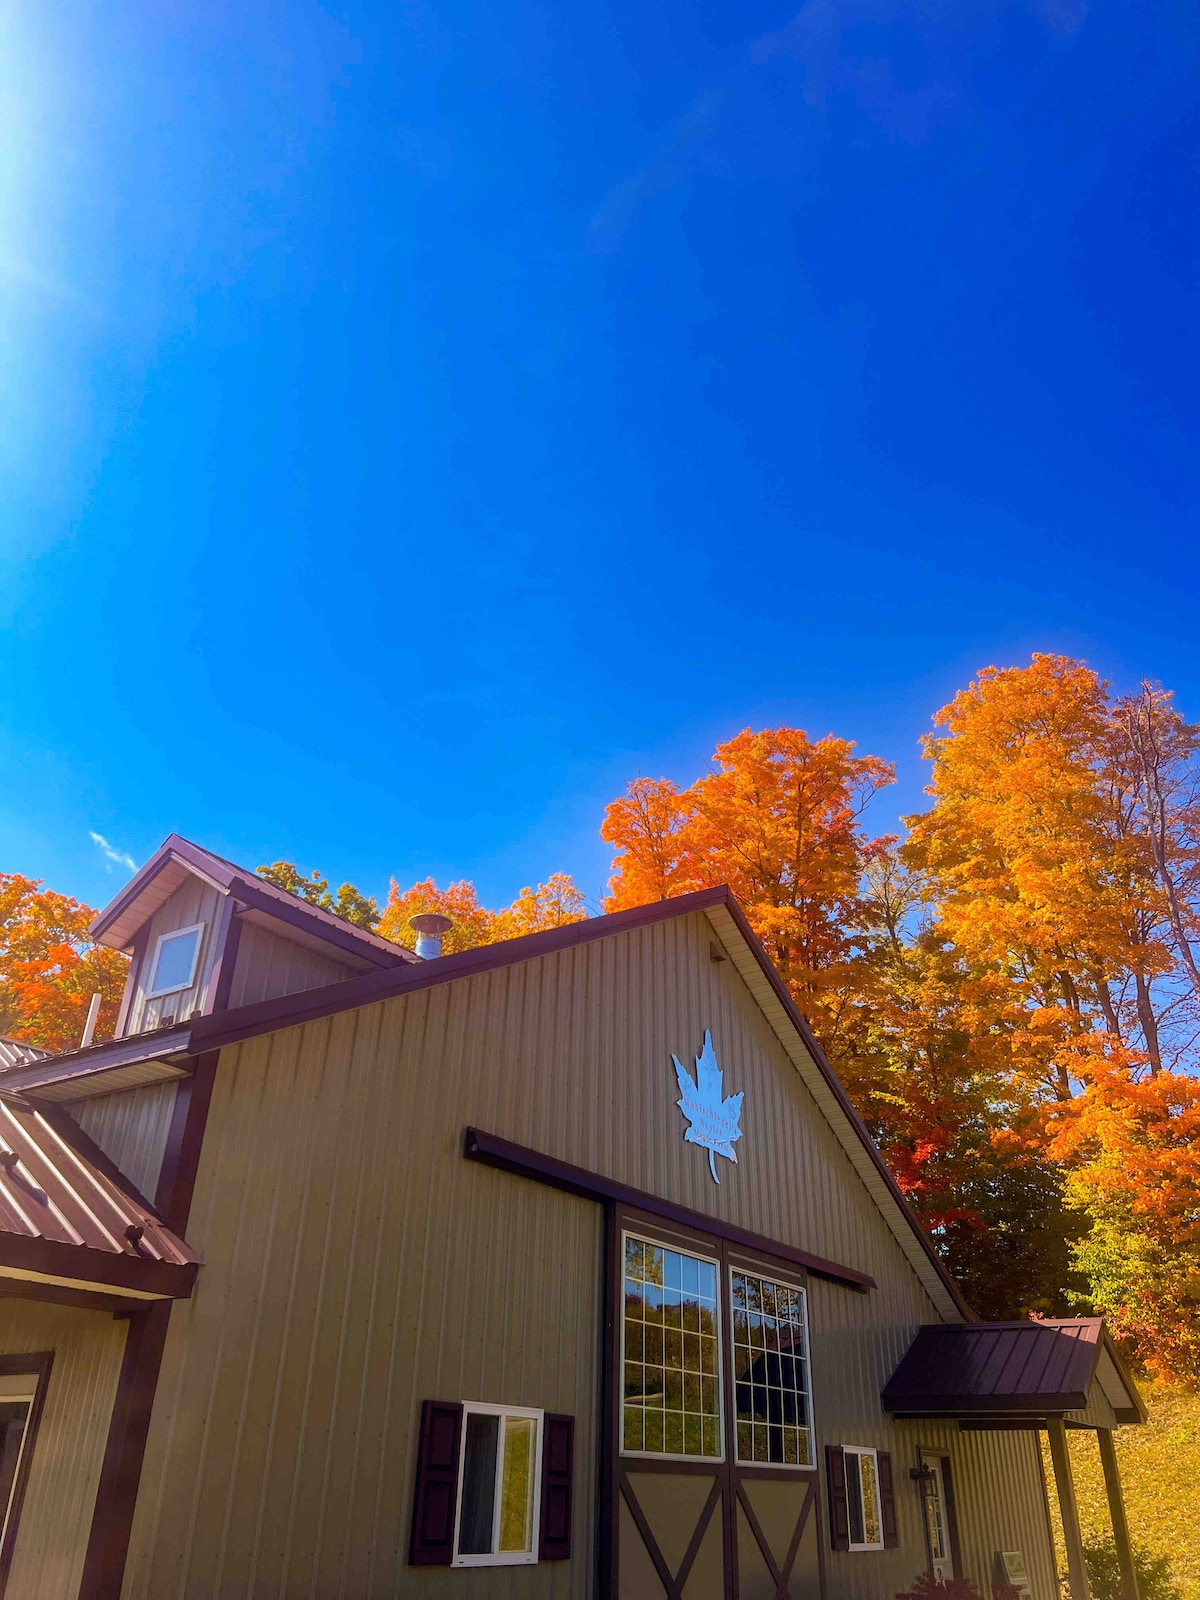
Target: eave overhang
{"points": [[103, 1068]]}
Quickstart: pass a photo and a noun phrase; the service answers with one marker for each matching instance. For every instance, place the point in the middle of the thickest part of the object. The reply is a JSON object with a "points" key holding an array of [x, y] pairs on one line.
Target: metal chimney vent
{"points": [[430, 928]]}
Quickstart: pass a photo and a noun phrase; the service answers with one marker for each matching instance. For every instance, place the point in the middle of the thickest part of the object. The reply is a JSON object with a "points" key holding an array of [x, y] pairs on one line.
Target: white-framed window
{"points": [[863, 1506], [670, 1353], [499, 1486], [174, 965], [771, 1384]]}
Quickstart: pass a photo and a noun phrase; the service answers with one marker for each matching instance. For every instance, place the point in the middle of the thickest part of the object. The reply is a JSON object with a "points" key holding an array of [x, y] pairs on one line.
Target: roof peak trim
{"points": [[227, 877]]}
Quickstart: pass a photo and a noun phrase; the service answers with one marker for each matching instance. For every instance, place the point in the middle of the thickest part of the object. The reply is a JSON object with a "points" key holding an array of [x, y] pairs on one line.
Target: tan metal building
{"points": [[558, 1268]]}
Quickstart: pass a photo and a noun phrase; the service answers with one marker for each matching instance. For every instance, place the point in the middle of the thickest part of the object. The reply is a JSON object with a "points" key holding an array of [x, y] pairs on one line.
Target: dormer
{"points": [[204, 935]]}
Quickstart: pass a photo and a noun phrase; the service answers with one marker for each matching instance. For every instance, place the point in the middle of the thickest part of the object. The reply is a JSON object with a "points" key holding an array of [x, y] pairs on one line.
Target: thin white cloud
{"points": [[110, 852]]}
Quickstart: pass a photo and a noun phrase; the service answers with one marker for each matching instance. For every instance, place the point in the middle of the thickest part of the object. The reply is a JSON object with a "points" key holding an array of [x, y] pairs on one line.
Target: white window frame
{"points": [[500, 1558], [865, 1450], [176, 933], [687, 1248], [766, 1275]]}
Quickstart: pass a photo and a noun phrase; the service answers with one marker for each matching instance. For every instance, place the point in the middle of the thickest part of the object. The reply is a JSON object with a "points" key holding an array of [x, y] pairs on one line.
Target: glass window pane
{"points": [[516, 1484], [634, 1436], [870, 1500], [939, 1544], [770, 1376], [478, 1485], [674, 1332], [13, 1416], [173, 969], [854, 1500]]}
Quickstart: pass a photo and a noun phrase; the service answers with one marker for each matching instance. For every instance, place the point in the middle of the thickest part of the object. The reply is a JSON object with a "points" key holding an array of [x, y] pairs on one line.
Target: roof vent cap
{"points": [[430, 928]]}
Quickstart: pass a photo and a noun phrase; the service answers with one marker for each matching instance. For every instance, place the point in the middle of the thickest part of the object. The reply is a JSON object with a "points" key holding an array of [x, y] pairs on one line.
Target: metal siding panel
{"points": [[131, 1128], [268, 966], [56, 1518], [194, 901], [356, 1264]]}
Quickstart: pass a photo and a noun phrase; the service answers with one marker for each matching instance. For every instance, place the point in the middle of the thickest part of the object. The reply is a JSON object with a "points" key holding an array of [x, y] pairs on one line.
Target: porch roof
{"points": [[1015, 1371], [72, 1227]]}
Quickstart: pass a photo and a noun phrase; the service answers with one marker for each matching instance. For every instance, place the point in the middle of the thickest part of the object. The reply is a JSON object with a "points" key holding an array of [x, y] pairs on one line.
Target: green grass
{"points": [[1160, 1474]]}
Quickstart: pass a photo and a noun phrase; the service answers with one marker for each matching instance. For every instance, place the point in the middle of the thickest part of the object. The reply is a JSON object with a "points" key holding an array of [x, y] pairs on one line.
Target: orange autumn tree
{"points": [[778, 820], [49, 968], [840, 913], [1070, 890], [550, 905], [1060, 859]]}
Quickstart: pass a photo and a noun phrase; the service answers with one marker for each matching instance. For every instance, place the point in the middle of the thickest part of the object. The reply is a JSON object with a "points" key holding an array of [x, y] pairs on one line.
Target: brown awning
{"points": [[1014, 1371], [70, 1224]]}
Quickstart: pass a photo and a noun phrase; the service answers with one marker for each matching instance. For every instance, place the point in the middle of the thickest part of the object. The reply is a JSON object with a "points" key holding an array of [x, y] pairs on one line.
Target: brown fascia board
{"points": [[968, 1405], [267, 1016], [54, 1258], [158, 1044], [263, 896]]}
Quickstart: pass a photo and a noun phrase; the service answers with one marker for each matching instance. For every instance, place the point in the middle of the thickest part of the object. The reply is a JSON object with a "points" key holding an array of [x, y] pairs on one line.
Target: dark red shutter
{"points": [[432, 1543], [839, 1510], [887, 1501], [558, 1460]]}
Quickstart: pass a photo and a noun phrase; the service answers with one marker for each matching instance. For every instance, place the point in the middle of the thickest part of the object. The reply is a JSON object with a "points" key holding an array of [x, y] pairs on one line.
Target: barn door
{"points": [[671, 1535], [710, 1426], [778, 1550]]}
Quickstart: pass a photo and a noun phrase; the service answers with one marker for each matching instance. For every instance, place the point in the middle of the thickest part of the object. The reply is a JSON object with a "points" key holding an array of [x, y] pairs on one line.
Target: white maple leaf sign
{"points": [[714, 1121]]}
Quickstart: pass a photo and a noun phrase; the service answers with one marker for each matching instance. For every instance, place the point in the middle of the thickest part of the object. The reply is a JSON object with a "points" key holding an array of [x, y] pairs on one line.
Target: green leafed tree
{"points": [[348, 903]]}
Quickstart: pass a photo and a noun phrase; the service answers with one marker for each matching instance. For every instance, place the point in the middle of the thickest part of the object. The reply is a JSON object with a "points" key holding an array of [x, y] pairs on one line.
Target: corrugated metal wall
{"points": [[268, 966], [57, 1515], [356, 1264], [192, 902], [131, 1128]]}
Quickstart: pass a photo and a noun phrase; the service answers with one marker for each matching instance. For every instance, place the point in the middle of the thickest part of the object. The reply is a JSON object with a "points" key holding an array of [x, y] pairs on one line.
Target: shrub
{"points": [[927, 1587], [1154, 1576]]}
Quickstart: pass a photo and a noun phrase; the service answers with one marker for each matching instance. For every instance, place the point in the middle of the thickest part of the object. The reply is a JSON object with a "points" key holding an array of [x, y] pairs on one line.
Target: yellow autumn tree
{"points": [[550, 905]]}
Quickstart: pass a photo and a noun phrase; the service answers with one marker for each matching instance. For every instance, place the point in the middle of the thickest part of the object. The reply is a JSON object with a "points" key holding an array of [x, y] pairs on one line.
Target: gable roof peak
{"points": [[177, 858]]}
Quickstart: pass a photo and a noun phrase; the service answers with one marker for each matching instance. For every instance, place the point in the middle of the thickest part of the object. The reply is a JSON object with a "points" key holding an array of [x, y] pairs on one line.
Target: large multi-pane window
{"points": [[672, 1400], [770, 1372]]}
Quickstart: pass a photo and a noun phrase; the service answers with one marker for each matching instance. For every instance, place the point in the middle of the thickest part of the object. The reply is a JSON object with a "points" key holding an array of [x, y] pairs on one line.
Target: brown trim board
{"points": [[492, 1151], [129, 1427], [80, 1263]]}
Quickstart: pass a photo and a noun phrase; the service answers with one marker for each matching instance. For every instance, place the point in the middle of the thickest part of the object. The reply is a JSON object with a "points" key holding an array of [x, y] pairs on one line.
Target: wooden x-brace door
{"points": [[678, 1529]]}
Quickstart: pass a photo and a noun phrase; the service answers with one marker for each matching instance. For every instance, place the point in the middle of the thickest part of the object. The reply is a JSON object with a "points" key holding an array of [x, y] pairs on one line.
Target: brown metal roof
{"points": [[68, 1218], [1009, 1368], [18, 1053]]}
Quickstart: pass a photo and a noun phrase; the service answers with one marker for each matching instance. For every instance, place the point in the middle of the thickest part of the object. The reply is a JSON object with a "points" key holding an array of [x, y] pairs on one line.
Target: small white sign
{"points": [[714, 1121]]}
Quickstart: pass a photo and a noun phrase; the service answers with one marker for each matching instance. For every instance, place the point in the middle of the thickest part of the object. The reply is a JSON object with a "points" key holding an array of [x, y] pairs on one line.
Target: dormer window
{"points": [[174, 964]]}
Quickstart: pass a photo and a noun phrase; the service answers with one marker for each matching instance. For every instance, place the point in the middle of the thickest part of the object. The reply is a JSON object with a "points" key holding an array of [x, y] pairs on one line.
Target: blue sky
{"points": [[420, 418]]}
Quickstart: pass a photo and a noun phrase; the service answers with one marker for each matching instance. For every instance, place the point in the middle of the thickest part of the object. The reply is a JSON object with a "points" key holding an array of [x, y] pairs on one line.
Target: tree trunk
{"points": [[1148, 1022]]}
